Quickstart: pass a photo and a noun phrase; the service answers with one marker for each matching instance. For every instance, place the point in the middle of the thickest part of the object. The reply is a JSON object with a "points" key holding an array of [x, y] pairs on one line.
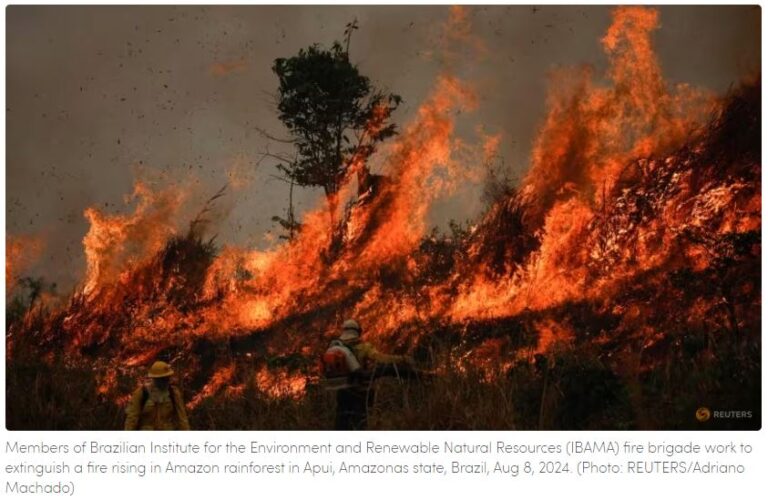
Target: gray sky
{"points": [[94, 92]]}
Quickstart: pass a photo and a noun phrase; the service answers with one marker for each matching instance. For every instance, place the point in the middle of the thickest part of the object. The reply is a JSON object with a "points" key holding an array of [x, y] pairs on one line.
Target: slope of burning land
{"points": [[634, 240]]}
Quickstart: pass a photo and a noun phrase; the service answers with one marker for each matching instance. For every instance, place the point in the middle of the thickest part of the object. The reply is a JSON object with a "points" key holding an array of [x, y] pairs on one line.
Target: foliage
{"points": [[290, 224], [334, 114], [28, 292]]}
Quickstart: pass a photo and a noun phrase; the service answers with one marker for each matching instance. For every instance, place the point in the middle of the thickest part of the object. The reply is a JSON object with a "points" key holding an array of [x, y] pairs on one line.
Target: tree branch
{"points": [[267, 154], [280, 178], [271, 137]]}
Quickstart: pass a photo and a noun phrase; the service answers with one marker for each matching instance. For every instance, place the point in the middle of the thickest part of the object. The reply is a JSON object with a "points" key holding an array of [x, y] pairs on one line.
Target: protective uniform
{"points": [[155, 408], [352, 403], [368, 356]]}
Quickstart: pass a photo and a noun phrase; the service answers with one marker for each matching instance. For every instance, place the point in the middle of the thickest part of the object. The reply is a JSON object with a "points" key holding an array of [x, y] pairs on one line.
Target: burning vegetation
{"points": [[616, 286]]}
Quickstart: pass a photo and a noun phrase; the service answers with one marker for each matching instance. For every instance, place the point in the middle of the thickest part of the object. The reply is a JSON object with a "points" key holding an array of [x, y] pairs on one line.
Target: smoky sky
{"points": [[97, 95]]}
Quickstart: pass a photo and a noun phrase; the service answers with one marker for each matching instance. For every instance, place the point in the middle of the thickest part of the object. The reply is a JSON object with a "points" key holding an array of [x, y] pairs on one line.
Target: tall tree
{"points": [[335, 116]]}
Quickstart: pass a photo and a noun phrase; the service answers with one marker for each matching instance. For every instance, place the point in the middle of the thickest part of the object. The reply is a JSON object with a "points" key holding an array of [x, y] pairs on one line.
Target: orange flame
{"points": [[579, 217], [21, 252]]}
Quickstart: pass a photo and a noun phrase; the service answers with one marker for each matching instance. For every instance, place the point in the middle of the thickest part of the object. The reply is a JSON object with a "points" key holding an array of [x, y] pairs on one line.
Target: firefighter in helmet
{"points": [[157, 406], [354, 400]]}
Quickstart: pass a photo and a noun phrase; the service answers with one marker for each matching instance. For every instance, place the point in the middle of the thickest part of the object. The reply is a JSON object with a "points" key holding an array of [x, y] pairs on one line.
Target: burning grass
{"points": [[616, 287], [570, 388]]}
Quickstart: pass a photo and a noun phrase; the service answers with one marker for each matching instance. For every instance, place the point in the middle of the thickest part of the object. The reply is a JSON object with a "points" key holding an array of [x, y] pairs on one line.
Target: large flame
{"points": [[608, 194]]}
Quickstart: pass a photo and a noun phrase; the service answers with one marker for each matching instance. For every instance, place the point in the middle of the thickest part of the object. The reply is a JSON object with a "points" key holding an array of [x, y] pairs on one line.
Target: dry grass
{"points": [[571, 389]]}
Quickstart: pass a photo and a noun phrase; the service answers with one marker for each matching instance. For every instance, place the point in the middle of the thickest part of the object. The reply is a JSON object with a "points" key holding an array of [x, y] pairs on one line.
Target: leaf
{"points": [[322, 95]]}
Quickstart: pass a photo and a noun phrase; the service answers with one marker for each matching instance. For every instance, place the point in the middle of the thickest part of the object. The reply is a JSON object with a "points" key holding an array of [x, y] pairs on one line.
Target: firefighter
{"points": [[159, 405], [352, 403]]}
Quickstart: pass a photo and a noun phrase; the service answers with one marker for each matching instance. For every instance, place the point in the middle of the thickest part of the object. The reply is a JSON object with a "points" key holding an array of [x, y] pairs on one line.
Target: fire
{"points": [[619, 183], [219, 380], [114, 240], [21, 252], [590, 135], [280, 383]]}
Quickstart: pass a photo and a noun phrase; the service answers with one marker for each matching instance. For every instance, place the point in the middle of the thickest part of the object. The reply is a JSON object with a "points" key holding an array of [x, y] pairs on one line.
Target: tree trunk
{"points": [[291, 218]]}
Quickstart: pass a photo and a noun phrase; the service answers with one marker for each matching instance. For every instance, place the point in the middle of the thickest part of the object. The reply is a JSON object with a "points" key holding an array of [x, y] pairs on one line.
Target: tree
{"points": [[335, 117]]}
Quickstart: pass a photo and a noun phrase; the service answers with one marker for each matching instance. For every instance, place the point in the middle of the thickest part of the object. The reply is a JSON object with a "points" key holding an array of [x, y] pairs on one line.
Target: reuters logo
{"points": [[703, 414]]}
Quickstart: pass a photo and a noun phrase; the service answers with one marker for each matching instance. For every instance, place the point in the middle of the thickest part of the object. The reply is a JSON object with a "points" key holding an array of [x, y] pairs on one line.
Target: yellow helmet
{"points": [[160, 369]]}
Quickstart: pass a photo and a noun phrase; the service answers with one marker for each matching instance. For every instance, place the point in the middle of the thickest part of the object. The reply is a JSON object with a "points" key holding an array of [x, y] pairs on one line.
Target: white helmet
{"points": [[350, 330]]}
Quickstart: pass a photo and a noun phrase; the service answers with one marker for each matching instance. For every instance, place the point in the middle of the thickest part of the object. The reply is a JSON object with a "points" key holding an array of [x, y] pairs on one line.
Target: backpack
{"points": [[339, 361], [337, 364]]}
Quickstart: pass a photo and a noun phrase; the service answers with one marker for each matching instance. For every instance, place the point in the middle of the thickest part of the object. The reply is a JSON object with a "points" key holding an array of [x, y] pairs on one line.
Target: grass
{"points": [[571, 388], [670, 340]]}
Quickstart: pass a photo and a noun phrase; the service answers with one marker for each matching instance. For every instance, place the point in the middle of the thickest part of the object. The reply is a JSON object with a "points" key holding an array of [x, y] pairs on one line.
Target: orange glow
{"points": [[21, 252], [217, 382], [280, 383], [227, 67], [606, 198]]}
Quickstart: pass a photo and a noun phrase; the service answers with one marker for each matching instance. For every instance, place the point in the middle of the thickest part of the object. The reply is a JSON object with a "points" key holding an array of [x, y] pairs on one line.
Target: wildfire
{"points": [[280, 383], [115, 241], [614, 185], [20, 253]]}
